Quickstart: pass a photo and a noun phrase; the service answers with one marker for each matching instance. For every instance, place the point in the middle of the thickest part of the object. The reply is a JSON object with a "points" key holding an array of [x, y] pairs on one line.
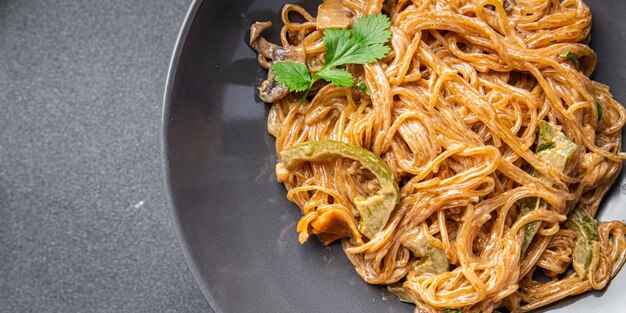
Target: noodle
{"points": [[454, 111]]}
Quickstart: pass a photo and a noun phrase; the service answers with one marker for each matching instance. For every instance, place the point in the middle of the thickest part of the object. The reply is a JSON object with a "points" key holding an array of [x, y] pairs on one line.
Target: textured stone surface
{"points": [[84, 225]]}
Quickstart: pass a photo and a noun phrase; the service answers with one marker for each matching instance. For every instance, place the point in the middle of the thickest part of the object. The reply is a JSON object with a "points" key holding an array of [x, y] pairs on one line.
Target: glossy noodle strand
{"points": [[455, 111]]}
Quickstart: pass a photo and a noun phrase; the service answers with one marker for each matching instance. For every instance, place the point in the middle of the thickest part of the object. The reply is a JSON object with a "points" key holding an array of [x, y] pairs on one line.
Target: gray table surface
{"points": [[84, 224]]}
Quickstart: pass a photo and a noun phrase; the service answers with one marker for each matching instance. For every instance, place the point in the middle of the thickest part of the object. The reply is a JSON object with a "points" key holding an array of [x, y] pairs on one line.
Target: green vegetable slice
{"points": [[399, 292], [374, 210], [569, 55], [530, 229], [363, 88], [553, 146], [587, 240], [431, 259], [556, 149]]}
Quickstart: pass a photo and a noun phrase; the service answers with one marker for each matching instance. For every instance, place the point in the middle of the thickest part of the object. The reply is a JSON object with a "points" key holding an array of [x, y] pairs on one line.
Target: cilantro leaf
{"points": [[568, 54], [452, 311], [599, 108], [342, 48], [364, 43], [373, 29], [338, 77], [358, 52], [293, 75]]}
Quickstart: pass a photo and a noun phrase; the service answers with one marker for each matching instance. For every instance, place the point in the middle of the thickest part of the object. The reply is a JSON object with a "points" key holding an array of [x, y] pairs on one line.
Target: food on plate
{"points": [[458, 150]]}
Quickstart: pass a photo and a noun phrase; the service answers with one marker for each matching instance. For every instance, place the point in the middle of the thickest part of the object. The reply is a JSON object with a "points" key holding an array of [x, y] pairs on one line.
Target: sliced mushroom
{"points": [[508, 5], [269, 53], [334, 14]]}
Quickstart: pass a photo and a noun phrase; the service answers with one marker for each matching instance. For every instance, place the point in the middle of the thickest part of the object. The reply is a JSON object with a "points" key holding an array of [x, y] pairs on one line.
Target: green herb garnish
{"points": [[294, 75], [363, 87], [568, 54], [452, 311], [599, 108], [364, 43]]}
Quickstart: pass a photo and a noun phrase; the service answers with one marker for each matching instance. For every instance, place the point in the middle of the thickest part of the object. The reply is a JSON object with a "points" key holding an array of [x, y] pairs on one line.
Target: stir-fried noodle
{"points": [[501, 146]]}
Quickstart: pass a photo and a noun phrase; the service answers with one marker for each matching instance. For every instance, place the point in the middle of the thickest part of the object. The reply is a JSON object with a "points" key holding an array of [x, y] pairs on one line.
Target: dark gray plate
{"points": [[235, 226]]}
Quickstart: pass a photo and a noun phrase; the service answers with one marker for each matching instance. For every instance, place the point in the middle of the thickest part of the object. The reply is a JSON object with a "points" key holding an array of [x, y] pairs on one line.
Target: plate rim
{"points": [[175, 59]]}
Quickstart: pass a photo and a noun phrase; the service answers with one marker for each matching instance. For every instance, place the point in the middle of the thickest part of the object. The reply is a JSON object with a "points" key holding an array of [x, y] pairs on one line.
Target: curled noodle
{"points": [[453, 110]]}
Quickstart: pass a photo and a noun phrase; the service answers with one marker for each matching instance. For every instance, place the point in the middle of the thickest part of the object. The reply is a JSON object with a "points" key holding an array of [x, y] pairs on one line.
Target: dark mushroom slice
{"points": [[268, 54]]}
